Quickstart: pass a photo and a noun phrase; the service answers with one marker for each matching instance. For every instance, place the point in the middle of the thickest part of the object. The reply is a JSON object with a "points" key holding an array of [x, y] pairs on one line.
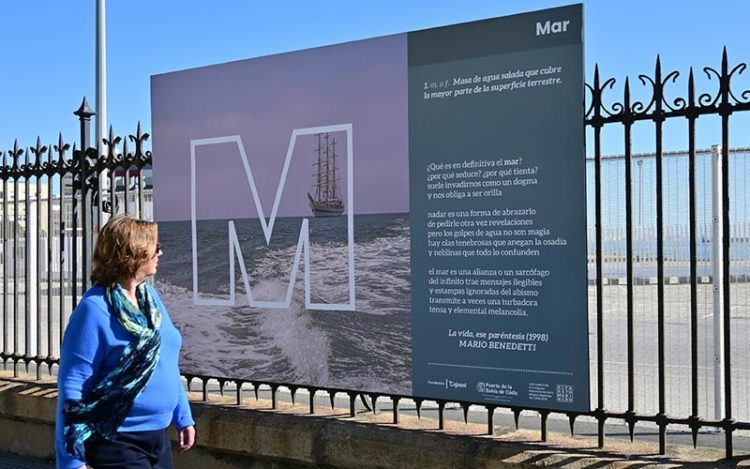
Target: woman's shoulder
{"points": [[157, 299], [93, 306], [154, 294]]}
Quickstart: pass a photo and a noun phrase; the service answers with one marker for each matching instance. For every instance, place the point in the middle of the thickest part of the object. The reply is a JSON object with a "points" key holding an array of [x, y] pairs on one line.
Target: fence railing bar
{"points": [[667, 114], [658, 118], [114, 203], [140, 193], [50, 330], [39, 257], [84, 212], [76, 215], [601, 418], [16, 306], [692, 222], [63, 253], [629, 257], [725, 111], [667, 154], [126, 184], [27, 259]]}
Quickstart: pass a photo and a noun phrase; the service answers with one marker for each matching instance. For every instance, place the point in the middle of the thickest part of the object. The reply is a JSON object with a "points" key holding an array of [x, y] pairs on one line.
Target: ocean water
{"points": [[367, 349]]}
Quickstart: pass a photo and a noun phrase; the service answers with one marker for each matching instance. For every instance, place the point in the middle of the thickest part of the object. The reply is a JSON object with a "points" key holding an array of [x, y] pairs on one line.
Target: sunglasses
{"points": [[158, 248]]}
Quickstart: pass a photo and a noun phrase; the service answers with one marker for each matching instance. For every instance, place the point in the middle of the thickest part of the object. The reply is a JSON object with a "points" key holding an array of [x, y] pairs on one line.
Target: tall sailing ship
{"points": [[325, 201]]}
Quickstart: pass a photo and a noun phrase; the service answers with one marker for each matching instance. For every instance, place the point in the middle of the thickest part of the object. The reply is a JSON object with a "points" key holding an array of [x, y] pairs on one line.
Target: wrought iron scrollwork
{"points": [[598, 110], [725, 94], [658, 85], [658, 104]]}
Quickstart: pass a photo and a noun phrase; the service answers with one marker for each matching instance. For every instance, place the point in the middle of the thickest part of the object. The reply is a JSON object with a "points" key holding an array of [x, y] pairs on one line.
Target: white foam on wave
{"points": [[382, 274], [291, 344], [209, 348], [294, 333], [206, 342]]}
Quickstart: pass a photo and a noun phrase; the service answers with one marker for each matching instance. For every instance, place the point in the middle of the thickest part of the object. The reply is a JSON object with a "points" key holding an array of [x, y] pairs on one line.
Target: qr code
{"points": [[564, 393]]}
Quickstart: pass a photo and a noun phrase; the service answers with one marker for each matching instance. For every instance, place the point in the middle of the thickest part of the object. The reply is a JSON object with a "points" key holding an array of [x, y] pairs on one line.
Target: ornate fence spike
{"points": [[111, 143], [624, 108], [61, 148], [689, 105], [140, 158], [597, 111], [738, 69], [39, 150], [15, 154], [84, 111], [73, 161]]}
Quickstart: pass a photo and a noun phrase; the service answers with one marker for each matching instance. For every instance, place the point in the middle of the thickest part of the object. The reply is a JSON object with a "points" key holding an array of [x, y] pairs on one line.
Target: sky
{"points": [[48, 49]]}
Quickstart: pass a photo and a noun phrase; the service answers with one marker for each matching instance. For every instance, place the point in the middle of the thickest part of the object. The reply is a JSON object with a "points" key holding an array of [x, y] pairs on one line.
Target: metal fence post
{"points": [[84, 113], [718, 260]]}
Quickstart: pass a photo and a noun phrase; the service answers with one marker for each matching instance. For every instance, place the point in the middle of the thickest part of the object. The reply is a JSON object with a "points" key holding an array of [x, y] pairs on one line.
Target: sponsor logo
{"points": [[495, 389], [565, 393]]}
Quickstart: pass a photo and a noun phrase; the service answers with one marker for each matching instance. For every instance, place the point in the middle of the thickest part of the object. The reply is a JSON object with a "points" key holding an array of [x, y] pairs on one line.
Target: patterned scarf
{"points": [[105, 407]]}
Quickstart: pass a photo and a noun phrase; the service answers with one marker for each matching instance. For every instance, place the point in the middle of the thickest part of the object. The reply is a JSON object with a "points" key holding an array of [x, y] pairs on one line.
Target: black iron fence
{"points": [[53, 197], [657, 110], [51, 203]]}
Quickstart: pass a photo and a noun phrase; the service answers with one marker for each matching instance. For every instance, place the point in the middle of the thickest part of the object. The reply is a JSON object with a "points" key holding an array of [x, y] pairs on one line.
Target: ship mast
{"points": [[325, 202], [327, 182], [319, 171], [333, 172]]}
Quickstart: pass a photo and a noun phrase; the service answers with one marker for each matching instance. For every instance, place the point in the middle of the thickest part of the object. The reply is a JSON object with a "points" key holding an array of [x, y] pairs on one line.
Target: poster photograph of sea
{"points": [[229, 152]]}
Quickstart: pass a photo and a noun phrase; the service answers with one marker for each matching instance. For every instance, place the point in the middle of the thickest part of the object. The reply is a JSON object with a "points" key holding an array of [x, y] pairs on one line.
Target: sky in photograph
{"points": [[362, 84], [48, 50]]}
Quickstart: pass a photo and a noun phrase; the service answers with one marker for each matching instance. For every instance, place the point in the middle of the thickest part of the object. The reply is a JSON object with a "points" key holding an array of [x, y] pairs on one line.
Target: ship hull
{"points": [[321, 209], [322, 212]]}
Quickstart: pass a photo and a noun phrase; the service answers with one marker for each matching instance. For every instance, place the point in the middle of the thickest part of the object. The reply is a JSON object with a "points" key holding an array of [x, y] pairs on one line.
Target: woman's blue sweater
{"points": [[93, 342]]}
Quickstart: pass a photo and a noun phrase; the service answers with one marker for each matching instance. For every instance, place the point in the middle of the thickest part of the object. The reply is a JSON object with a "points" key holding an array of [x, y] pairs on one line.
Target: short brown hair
{"points": [[124, 244]]}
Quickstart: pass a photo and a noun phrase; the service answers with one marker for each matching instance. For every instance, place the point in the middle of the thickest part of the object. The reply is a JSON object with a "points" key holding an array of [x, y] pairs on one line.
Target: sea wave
{"points": [[366, 349], [239, 342]]}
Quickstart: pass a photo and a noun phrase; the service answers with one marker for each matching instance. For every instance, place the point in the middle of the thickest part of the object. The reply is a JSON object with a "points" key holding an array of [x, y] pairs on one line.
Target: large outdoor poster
{"points": [[400, 215]]}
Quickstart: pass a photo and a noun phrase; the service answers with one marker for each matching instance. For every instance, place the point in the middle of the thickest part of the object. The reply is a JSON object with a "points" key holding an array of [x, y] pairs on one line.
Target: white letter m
{"points": [[303, 243]]}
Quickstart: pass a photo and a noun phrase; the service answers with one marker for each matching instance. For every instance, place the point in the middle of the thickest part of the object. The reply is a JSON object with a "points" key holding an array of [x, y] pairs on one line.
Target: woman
{"points": [[119, 385]]}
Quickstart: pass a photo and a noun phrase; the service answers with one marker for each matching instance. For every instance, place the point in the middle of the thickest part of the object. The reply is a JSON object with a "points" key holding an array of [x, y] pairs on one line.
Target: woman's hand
{"points": [[186, 438]]}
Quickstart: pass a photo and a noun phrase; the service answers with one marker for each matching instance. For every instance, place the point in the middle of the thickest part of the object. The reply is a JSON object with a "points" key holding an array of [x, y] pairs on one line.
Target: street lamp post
{"points": [[101, 105]]}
